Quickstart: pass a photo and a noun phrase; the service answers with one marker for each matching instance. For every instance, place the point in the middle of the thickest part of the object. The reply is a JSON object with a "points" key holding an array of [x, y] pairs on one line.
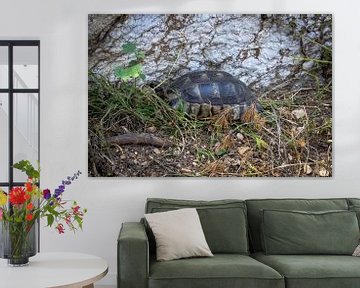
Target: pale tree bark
{"points": [[260, 50]]}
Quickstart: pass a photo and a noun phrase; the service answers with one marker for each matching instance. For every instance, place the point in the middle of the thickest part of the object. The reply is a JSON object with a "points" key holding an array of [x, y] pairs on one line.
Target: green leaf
{"points": [[21, 165], [260, 143], [52, 211], [129, 47], [79, 221], [28, 168], [133, 62], [140, 55], [134, 69], [50, 219], [129, 72], [221, 152], [120, 72]]}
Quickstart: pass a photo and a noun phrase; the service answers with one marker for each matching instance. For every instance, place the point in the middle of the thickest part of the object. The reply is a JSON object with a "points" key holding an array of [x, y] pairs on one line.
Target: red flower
{"points": [[68, 219], [29, 206], [27, 196], [17, 196], [29, 217], [29, 186], [60, 228], [75, 209]]}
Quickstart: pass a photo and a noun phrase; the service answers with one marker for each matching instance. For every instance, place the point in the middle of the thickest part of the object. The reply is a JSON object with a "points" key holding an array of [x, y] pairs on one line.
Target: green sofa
{"points": [[260, 243]]}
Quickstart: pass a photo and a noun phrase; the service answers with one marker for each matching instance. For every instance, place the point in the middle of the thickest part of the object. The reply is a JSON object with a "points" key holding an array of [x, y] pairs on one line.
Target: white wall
{"points": [[62, 28]]}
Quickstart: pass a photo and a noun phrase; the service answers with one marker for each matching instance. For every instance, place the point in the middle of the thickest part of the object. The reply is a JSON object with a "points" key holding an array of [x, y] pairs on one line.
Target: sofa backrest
{"points": [[223, 221], [256, 205]]}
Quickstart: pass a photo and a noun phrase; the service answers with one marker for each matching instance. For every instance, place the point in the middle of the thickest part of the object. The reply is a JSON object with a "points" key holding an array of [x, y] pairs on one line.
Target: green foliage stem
{"points": [[134, 69]]}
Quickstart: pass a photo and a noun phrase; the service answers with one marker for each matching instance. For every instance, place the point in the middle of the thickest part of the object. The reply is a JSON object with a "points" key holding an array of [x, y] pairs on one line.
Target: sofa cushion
{"points": [[223, 221], [353, 201], [222, 270], [356, 209], [178, 234], [313, 271], [254, 216], [354, 205], [298, 232]]}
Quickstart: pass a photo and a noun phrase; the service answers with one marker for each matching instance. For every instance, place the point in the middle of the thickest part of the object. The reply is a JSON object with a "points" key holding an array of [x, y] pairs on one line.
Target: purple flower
{"points": [[68, 181], [58, 192]]}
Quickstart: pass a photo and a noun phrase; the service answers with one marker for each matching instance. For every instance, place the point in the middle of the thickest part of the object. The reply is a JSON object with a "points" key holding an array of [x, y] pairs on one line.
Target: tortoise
{"points": [[205, 93]]}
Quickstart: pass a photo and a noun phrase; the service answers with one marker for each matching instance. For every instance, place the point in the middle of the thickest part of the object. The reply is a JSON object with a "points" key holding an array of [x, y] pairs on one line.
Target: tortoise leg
{"points": [[205, 110], [186, 107], [171, 97], [236, 110], [174, 100], [215, 109], [194, 109]]}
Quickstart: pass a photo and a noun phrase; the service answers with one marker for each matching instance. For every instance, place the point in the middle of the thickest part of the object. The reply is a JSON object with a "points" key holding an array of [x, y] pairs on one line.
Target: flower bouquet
{"points": [[21, 208]]}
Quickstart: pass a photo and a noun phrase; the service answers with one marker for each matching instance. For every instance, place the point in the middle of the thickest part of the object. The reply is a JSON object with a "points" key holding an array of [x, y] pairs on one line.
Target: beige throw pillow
{"points": [[357, 251], [178, 234]]}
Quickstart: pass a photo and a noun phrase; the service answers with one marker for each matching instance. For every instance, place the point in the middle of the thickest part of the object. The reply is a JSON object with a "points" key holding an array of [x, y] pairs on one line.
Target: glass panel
{"points": [[26, 130], [4, 188], [26, 67], [4, 67], [4, 137]]}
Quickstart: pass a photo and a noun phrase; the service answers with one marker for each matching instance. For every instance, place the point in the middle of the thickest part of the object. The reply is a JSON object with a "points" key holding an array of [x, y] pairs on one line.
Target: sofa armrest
{"points": [[133, 256]]}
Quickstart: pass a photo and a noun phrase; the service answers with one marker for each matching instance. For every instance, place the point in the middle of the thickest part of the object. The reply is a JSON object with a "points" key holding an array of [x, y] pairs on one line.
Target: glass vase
{"points": [[18, 242]]}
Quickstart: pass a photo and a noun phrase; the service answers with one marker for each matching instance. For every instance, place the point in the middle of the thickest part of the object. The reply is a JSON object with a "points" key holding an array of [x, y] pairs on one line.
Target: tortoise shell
{"points": [[205, 93]]}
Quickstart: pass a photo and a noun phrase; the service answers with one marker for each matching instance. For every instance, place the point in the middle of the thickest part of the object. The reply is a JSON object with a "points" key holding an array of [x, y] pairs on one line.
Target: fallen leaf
{"points": [[226, 144], [307, 169], [302, 143], [323, 172], [290, 157], [151, 129], [185, 170], [240, 136], [242, 150]]}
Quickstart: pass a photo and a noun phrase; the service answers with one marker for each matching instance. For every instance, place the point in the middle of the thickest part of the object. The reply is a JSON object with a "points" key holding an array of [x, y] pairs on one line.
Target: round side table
{"points": [[50, 270]]}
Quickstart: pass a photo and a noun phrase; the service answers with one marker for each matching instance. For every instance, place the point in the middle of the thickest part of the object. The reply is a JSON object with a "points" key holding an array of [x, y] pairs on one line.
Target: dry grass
{"points": [[292, 137]]}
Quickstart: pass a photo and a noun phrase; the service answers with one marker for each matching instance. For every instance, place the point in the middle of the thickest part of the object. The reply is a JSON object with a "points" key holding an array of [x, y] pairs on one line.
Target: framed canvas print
{"points": [[215, 95]]}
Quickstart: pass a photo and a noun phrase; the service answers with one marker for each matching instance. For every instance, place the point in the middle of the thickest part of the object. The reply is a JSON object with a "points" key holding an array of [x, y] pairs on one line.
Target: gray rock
{"points": [[308, 65]]}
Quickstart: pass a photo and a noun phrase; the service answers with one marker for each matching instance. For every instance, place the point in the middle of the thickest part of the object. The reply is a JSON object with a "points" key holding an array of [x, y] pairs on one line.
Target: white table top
{"points": [[45, 270]]}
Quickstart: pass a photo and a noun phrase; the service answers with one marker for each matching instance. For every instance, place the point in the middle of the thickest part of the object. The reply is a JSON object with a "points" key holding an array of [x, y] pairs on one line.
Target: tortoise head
{"points": [[172, 95]]}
